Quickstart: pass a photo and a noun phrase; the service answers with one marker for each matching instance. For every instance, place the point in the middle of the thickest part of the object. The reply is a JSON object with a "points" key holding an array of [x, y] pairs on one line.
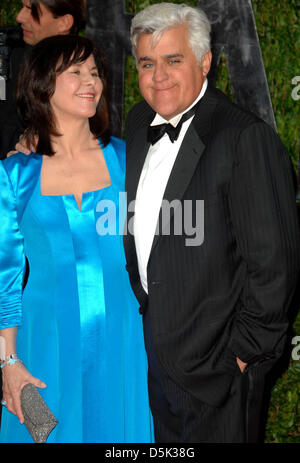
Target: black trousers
{"points": [[181, 418]]}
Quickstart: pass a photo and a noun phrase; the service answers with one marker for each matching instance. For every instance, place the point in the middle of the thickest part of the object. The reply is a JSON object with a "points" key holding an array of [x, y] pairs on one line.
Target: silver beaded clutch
{"points": [[38, 418]]}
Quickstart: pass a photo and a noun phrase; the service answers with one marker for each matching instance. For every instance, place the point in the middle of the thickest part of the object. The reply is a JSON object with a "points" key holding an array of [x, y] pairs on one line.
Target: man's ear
{"points": [[65, 23], [206, 62]]}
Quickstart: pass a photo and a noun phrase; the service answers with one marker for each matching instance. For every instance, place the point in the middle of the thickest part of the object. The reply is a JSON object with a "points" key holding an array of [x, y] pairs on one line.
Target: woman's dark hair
{"points": [[76, 8], [36, 85]]}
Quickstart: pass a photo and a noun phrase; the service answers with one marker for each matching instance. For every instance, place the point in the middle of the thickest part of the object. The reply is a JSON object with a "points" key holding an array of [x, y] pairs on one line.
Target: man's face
{"points": [[170, 77], [34, 31]]}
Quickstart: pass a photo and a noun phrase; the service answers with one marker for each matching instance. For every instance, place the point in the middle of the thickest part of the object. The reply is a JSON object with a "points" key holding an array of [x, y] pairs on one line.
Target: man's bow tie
{"points": [[156, 132]]}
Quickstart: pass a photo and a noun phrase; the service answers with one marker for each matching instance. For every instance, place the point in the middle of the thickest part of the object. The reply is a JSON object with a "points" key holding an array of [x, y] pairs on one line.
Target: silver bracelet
{"points": [[8, 357], [9, 360]]}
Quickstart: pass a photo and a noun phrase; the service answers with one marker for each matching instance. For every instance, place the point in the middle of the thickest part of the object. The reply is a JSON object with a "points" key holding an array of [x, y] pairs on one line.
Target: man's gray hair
{"points": [[156, 19]]}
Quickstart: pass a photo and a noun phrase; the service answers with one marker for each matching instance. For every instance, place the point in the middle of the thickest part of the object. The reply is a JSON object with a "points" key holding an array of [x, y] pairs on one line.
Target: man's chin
{"points": [[165, 111], [28, 39]]}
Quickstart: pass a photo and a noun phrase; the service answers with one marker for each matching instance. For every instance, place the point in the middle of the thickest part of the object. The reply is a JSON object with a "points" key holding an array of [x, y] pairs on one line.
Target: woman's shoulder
{"points": [[21, 161], [22, 168], [119, 147], [118, 144]]}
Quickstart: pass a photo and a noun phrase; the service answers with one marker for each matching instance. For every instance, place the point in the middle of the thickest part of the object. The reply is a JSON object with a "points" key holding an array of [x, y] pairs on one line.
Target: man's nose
{"points": [[21, 16], [160, 72]]}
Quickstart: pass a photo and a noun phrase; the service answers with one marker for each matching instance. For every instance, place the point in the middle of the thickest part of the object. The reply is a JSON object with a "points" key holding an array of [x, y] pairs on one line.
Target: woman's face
{"points": [[77, 92]]}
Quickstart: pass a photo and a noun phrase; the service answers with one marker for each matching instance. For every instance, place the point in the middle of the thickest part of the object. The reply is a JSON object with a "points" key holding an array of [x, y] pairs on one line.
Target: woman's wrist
{"points": [[9, 359]]}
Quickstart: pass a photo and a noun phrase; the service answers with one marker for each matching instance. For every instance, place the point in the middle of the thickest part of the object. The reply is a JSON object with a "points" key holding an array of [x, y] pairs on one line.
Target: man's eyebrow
{"points": [[173, 55], [144, 58]]}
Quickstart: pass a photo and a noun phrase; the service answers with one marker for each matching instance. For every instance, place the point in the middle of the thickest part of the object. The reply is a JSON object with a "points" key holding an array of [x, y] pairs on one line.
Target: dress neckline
{"points": [[85, 194]]}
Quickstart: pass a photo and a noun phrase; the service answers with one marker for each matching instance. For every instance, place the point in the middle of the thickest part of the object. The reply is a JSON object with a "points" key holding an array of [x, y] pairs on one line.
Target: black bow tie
{"points": [[156, 132]]}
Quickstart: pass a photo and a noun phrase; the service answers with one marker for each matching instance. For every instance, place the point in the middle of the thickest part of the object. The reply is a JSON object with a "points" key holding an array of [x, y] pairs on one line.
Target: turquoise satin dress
{"points": [[79, 329]]}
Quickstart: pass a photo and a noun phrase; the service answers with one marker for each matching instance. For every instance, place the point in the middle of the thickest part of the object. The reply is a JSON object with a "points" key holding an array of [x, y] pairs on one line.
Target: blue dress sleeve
{"points": [[12, 257]]}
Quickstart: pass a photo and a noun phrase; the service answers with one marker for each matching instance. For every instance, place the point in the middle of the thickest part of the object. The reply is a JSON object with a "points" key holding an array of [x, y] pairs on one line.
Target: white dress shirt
{"points": [[152, 184]]}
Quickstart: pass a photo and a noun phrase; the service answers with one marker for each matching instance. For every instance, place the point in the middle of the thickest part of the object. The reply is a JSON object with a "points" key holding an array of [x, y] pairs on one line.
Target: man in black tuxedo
{"points": [[215, 303]]}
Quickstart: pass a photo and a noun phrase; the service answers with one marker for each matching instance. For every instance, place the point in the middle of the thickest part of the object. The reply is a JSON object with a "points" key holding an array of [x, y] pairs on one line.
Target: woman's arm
{"points": [[14, 376], [8, 346], [12, 264]]}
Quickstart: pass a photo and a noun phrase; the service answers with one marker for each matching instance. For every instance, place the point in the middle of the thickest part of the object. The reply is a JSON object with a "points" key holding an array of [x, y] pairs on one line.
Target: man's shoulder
{"points": [[19, 52], [231, 124], [230, 115], [140, 107], [140, 114], [17, 56], [139, 117]]}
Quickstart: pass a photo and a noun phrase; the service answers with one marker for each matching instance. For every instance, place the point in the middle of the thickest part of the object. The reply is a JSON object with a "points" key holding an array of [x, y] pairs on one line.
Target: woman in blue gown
{"points": [[76, 325]]}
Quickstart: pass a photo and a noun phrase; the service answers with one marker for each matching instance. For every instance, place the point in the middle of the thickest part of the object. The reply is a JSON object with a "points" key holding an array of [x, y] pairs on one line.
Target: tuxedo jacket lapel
{"points": [[134, 165], [187, 159], [135, 162]]}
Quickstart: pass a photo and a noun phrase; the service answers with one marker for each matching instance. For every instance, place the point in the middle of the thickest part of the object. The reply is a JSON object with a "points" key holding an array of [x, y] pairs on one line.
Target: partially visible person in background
{"points": [[38, 20], [76, 327]]}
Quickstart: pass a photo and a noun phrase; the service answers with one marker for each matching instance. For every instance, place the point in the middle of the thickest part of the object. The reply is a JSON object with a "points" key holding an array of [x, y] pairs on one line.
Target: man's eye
{"points": [[174, 61], [147, 65]]}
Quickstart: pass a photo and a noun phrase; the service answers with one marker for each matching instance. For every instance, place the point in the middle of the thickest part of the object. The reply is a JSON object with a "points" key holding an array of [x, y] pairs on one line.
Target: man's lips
{"points": [[163, 89]]}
